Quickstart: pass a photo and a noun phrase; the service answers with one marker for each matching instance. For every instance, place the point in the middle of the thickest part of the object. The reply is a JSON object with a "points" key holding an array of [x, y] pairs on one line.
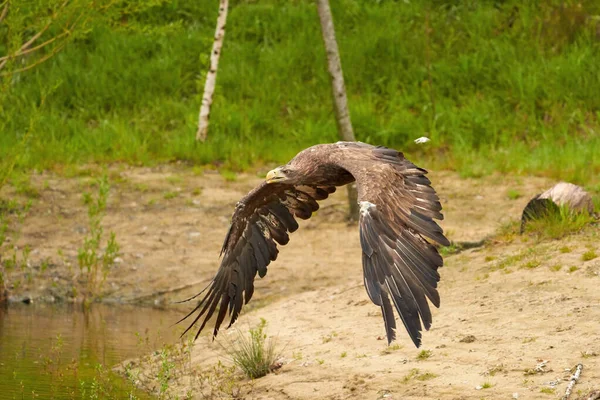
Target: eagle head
{"points": [[283, 174]]}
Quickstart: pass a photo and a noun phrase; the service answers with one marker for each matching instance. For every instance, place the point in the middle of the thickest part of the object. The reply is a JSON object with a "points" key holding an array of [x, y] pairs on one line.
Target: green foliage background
{"points": [[504, 86]]}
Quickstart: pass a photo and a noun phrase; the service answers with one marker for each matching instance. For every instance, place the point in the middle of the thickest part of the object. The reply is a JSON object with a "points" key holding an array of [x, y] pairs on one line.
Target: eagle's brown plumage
{"points": [[398, 206]]}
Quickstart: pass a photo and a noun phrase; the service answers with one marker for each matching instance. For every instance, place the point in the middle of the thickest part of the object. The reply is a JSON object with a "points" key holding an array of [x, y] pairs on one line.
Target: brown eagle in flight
{"points": [[397, 208]]}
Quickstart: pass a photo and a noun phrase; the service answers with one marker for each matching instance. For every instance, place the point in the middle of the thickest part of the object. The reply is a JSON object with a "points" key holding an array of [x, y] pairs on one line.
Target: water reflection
{"points": [[53, 351]]}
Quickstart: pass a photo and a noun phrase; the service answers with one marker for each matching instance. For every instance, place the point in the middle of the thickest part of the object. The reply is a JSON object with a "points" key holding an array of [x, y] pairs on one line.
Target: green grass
{"points": [[589, 255], [418, 375], [449, 250], [426, 376], [531, 264], [390, 349], [228, 175], [170, 195], [558, 224], [424, 354], [513, 194], [495, 86], [255, 354]]}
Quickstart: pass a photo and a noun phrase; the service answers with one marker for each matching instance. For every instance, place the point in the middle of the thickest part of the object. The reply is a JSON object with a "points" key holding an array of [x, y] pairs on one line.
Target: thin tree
{"points": [[338, 88], [211, 76]]}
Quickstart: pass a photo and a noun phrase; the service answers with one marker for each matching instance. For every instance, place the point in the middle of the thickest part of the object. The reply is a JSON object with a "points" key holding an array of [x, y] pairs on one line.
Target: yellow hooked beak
{"points": [[275, 175]]}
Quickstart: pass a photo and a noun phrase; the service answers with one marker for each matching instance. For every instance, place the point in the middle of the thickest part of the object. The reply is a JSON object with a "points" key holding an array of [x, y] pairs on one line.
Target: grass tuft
{"points": [[531, 264], [418, 375], [558, 224], [589, 255], [513, 194], [254, 354], [170, 195], [390, 349]]}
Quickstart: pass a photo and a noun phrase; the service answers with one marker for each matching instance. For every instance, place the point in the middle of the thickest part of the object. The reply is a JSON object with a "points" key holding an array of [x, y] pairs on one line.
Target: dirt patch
{"points": [[512, 297]]}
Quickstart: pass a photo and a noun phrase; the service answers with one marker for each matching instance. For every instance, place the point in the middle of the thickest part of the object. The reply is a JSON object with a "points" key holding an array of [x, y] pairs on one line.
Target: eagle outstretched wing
{"points": [[397, 208], [262, 219]]}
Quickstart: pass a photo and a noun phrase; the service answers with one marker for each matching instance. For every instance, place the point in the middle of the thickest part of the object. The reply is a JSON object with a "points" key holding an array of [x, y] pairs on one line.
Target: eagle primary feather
{"points": [[398, 208]]}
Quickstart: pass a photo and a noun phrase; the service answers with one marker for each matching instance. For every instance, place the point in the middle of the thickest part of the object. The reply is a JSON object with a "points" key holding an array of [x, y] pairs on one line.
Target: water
{"points": [[50, 351]]}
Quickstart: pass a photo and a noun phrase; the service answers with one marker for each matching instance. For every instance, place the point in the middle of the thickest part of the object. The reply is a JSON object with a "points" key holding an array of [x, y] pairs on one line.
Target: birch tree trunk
{"points": [[211, 76], [338, 88]]}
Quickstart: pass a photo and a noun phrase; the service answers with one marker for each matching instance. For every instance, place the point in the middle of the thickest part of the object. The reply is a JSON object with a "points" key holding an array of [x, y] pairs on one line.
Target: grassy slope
{"points": [[495, 86]]}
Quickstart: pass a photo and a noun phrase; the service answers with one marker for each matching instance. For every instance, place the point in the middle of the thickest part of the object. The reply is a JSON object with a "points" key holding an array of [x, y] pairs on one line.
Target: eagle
{"points": [[396, 227]]}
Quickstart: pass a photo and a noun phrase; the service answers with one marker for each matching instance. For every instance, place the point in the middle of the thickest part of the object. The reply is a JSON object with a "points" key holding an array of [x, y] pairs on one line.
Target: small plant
{"points": [[513, 194], [555, 268], [589, 255], [344, 354], [165, 372], [486, 385], [390, 349], [531, 264], [170, 195], [424, 355], [92, 264], [413, 372], [573, 268], [254, 355], [449, 250], [228, 175], [565, 249], [547, 390], [426, 376], [218, 382], [483, 277], [416, 374]]}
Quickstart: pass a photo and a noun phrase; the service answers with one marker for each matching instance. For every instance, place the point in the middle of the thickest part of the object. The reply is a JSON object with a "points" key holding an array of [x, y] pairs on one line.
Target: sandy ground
{"points": [[506, 307]]}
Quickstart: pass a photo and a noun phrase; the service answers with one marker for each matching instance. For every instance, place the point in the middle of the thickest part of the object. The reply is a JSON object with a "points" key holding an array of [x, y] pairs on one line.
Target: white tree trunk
{"points": [[338, 88], [211, 76]]}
